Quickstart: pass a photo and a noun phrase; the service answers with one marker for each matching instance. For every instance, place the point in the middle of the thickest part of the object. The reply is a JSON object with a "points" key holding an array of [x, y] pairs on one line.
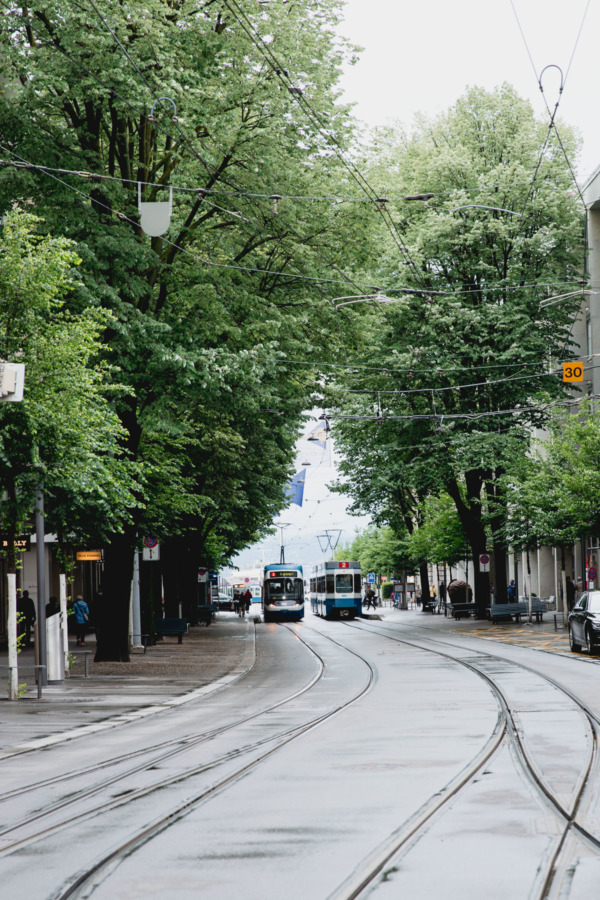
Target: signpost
{"points": [[151, 551], [591, 577], [572, 371], [484, 562]]}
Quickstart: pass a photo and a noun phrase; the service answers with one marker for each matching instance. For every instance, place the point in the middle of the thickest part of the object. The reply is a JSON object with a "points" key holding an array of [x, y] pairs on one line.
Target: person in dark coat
{"points": [[26, 607], [52, 607]]}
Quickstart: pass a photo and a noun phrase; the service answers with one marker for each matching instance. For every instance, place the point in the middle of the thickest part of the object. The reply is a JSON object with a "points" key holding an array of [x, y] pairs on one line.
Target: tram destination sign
{"points": [[288, 573]]}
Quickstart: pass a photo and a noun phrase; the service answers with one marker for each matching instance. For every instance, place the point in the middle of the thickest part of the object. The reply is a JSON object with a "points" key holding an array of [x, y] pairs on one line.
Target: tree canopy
{"points": [[463, 362]]}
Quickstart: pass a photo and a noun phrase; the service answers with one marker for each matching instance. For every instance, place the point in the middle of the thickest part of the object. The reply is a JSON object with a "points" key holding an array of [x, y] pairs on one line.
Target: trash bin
{"points": [[54, 649]]}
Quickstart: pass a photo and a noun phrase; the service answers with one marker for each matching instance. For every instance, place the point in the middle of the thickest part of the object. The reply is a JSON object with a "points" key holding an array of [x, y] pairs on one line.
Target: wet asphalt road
{"points": [[403, 758]]}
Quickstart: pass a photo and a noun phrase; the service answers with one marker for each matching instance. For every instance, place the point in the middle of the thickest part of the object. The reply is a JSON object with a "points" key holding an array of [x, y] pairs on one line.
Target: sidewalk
{"points": [[166, 675], [543, 635]]}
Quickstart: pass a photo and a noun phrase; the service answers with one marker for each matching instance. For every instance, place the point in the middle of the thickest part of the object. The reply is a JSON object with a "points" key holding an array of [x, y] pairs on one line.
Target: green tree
{"points": [[64, 435], [553, 494], [228, 305], [461, 368]]}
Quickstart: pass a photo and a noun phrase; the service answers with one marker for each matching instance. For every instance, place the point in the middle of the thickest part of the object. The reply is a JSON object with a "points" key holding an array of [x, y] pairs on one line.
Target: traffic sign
{"points": [[371, 578], [591, 574], [484, 562], [573, 371], [150, 543]]}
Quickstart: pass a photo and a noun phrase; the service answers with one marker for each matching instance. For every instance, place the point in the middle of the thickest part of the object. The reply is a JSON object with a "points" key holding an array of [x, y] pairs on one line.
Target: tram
{"points": [[283, 592], [335, 590]]}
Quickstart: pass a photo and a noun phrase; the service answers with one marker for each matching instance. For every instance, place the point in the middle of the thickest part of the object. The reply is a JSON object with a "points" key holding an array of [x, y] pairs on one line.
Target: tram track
{"points": [[245, 758], [551, 876]]}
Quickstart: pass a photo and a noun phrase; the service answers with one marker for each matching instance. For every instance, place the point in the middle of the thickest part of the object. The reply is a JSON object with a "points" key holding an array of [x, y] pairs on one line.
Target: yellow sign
{"points": [[572, 371], [89, 555]]}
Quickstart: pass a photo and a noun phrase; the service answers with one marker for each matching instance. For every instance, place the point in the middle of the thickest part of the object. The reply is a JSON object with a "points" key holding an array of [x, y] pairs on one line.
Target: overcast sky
{"points": [[420, 56]]}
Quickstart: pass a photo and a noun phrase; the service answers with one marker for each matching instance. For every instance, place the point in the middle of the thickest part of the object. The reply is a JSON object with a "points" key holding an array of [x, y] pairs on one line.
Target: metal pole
{"points": [[62, 589], [11, 625], [41, 586], [136, 619]]}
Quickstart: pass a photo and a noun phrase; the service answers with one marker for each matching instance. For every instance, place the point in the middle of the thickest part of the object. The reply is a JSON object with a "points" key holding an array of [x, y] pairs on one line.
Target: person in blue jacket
{"points": [[81, 612]]}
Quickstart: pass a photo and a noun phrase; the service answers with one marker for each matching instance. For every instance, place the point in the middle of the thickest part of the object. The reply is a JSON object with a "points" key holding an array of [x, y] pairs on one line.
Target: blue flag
{"points": [[295, 489]]}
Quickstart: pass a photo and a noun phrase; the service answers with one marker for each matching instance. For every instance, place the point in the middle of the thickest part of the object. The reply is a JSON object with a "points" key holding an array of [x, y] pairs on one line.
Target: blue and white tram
{"points": [[283, 592], [335, 590]]}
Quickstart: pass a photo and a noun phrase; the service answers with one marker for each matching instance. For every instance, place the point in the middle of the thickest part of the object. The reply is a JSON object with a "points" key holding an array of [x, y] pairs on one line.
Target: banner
{"points": [[295, 489]]}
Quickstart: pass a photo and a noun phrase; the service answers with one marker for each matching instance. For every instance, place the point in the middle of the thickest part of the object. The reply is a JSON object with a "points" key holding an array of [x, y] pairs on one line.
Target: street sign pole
{"points": [[40, 553]]}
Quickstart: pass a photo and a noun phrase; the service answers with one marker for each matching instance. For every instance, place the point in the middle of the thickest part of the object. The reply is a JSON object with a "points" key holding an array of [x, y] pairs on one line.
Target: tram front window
{"points": [[285, 589], [343, 584]]}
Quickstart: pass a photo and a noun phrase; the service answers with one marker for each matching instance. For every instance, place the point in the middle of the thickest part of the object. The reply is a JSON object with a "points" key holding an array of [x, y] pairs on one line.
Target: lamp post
{"points": [[282, 526]]}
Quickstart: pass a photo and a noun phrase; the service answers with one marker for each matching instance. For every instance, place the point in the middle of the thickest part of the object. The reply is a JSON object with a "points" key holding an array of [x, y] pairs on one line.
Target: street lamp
{"points": [[282, 526]]}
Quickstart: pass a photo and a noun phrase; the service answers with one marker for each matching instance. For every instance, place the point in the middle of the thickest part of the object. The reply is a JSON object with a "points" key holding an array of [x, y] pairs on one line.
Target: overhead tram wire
{"points": [[326, 198], [184, 250], [458, 387], [415, 370], [518, 410], [552, 114], [97, 176], [278, 68]]}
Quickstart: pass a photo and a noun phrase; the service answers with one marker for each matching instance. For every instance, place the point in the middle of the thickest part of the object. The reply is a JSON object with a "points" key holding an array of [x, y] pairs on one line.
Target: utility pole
{"points": [[41, 643]]}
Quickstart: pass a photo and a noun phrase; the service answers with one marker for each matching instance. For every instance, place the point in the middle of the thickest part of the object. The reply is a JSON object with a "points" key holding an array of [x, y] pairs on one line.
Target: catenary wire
{"points": [[185, 250]]}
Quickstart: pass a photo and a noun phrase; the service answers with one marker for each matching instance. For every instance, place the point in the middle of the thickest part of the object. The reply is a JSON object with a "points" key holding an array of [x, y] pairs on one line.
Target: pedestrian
{"points": [[236, 601], [248, 599], [82, 613], [52, 607], [26, 607], [570, 593], [371, 602], [510, 591]]}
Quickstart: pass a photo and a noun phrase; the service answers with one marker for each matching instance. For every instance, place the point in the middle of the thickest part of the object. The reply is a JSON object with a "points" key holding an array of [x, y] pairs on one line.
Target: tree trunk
{"points": [[112, 616], [424, 575], [470, 517]]}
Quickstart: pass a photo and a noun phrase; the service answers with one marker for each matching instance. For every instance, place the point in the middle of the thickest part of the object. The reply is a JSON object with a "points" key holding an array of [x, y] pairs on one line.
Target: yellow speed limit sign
{"points": [[573, 371]]}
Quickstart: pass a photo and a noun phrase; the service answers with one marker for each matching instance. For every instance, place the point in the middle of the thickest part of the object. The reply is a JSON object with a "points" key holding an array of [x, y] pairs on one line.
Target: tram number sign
{"points": [[573, 371], [484, 562]]}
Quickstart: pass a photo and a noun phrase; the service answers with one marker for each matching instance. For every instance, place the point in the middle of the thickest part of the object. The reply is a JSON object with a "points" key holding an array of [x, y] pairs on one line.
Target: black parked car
{"points": [[584, 623]]}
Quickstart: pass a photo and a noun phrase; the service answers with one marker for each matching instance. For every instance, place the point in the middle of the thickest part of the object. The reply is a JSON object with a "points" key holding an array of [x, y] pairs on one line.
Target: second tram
{"points": [[283, 592], [335, 590]]}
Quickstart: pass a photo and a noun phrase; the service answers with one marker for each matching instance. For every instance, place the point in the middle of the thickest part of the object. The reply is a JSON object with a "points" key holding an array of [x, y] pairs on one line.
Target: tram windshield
{"points": [[343, 583], [284, 588]]}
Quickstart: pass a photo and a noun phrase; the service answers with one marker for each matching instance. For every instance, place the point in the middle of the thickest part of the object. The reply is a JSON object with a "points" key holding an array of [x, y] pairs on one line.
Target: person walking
{"points": [[82, 613], [247, 598], [26, 607], [510, 591]]}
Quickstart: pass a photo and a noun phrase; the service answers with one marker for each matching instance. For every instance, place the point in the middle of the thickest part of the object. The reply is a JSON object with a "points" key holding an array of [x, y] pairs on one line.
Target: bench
{"points": [[172, 626], [508, 611], [462, 610], [538, 608]]}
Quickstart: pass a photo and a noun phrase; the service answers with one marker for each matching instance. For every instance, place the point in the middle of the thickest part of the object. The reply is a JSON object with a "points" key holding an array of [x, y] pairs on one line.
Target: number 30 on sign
{"points": [[573, 371]]}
